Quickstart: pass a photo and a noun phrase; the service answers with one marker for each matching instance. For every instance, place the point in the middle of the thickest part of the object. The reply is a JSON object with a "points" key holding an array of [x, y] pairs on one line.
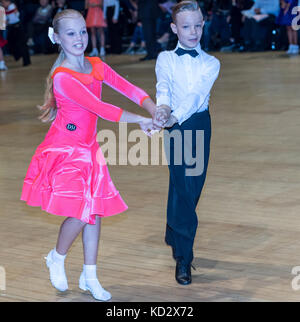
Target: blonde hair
{"points": [[49, 108], [185, 5]]}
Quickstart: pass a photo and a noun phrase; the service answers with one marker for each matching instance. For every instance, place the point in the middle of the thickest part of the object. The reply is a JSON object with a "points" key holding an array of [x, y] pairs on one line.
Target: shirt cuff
{"points": [[163, 100], [179, 116]]}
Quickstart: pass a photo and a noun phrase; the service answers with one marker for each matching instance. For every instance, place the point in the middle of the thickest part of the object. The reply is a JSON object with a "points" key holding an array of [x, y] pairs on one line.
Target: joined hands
{"points": [[161, 119]]}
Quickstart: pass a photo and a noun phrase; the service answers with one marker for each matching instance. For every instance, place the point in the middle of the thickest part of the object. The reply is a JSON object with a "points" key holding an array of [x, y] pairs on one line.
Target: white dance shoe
{"points": [[56, 267], [94, 286]]}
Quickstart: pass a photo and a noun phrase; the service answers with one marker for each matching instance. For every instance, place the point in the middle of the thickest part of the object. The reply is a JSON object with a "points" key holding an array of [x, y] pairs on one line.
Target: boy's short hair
{"points": [[185, 5]]}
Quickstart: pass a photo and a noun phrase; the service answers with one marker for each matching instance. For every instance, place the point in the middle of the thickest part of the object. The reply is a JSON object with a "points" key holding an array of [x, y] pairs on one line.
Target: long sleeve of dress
{"points": [[121, 85], [75, 91]]}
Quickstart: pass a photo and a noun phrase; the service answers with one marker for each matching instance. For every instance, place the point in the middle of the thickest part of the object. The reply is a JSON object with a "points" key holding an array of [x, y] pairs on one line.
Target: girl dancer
{"points": [[96, 22], [67, 175]]}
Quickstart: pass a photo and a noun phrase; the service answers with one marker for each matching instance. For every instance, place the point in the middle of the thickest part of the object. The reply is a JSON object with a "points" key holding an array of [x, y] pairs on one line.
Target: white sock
{"points": [[90, 271], [56, 264], [90, 282], [57, 257]]}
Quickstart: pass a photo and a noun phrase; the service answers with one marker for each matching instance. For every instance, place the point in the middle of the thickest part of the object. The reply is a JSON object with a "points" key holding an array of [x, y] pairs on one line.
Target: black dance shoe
{"points": [[183, 273]]}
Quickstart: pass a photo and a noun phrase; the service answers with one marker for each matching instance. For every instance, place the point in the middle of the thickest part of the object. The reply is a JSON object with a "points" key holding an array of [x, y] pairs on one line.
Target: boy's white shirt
{"points": [[184, 82]]}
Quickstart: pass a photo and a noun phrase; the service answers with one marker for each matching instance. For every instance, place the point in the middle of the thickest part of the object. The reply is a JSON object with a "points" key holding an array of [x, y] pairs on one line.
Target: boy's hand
{"points": [[172, 120], [162, 115]]}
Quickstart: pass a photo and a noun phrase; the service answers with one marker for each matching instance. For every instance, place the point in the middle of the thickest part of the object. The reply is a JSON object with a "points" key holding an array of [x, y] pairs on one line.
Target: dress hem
{"points": [[81, 209]]}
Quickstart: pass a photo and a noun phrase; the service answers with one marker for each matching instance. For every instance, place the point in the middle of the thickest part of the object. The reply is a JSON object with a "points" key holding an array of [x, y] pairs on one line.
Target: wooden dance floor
{"points": [[248, 240]]}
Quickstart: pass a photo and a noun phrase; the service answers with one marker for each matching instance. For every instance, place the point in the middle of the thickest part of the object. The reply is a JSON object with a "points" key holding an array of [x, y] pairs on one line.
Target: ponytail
{"points": [[49, 108]]}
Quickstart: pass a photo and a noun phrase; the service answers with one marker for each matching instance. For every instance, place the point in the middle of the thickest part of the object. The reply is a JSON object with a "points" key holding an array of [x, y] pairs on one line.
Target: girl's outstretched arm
{"points": [[72, 89], [132, 92]]}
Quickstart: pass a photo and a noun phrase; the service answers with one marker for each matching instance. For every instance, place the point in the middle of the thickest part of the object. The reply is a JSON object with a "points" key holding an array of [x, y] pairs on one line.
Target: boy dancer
{"points": [[185, 77]]}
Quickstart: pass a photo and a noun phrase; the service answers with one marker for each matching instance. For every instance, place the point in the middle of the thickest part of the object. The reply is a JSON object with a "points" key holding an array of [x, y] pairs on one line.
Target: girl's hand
{"points": [[147, 127]]}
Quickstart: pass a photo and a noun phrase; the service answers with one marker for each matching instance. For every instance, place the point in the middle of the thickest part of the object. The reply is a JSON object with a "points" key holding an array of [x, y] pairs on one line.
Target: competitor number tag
{"points": [[71, 127]]}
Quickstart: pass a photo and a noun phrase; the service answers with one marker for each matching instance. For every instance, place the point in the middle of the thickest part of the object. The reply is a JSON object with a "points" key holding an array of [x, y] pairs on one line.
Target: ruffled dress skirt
{"points": [[71, 180]]}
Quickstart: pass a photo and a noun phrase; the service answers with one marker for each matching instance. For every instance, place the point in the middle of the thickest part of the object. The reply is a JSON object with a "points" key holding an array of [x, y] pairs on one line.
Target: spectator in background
{"points": [[206, 8], [78, 5], [39, 28], [236, 20], [137, 37], [3, 42], [111, 14], [29, 9], [15, 33], [95, 21], [163, 29], [285, 18], [148, 12], [133, 8], [259, 21], [130, 8], [58, 6], [220, 27]]}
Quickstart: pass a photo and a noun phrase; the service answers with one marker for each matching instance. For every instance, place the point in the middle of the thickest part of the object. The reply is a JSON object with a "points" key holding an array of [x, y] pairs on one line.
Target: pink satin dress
{"points": [[68, 175]]}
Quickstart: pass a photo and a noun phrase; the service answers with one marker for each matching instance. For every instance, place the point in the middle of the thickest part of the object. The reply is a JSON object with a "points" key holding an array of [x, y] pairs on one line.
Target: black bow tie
{"points": [[181, 51]]}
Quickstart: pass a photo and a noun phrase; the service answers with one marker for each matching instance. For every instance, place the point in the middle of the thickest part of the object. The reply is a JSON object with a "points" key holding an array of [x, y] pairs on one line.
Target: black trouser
{"points": [[114, 32], [17, 43], [187, 179]]}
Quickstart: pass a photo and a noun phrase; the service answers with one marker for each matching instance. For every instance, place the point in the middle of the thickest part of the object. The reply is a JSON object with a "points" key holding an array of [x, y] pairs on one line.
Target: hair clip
{"points": [[51, 34]]}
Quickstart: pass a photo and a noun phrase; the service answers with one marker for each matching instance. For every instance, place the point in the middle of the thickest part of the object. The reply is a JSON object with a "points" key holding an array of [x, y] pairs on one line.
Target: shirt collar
{"points": [[197, 48]]}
